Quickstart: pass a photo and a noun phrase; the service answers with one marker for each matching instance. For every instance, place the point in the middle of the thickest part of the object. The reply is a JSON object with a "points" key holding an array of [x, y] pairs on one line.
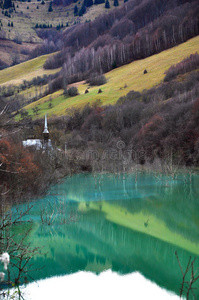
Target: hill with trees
{"points": [[136, 30], [157, 127], [29, 23]]}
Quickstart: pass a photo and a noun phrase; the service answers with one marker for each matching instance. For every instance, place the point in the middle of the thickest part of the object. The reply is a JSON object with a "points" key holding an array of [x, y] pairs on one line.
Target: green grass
{"points": [[25, 71], [130, 75]]}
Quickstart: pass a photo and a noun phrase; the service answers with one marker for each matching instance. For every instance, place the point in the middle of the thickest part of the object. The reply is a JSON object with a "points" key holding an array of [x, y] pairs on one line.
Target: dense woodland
{"points": [[133, 31]]}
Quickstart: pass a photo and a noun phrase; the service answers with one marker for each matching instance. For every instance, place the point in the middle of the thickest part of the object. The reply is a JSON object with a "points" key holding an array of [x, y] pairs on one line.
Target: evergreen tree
{"points": [[99, 2], [89, 3], [50, 7], [82, 10], [7, 4], [107, 5], [75, 10], [116, 3]]}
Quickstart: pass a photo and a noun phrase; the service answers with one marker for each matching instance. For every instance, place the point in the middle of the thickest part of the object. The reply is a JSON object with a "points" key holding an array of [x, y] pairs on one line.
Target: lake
{"points": [[127, 224]]}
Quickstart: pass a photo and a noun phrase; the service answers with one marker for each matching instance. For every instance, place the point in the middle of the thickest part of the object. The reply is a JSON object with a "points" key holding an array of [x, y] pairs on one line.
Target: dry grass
{"points": [[25, 71]]}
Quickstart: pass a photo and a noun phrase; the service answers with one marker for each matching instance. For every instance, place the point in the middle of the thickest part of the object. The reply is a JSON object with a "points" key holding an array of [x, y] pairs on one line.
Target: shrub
{"points": [[97, 80], [72, 91]]}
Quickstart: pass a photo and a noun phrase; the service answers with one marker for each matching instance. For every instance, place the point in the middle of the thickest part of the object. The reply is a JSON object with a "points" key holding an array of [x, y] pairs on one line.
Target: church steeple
{"points": [[46, 132]]}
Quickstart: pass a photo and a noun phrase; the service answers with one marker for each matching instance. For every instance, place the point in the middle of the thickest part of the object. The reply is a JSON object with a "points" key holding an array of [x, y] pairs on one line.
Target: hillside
{"points": [[157, 127], [25, 71], [27, 14], [133, 30], [136, 30], [25, 26], [119, 81]]}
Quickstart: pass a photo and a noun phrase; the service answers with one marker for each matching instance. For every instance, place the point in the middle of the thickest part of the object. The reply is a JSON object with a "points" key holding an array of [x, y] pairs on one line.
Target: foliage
{"points": [[96, 2], [82, 10], [107, 4], [72, 91], [17, 167], [96, 79], [186, 65], [50, 9], [75, 10], [7, 4]]}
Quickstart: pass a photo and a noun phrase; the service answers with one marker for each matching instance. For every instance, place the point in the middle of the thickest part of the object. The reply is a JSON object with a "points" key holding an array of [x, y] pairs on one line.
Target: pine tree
{"points": [[89, 3], [116, 3], [7, 4], [75, 10], [50, 7], [99, 2], [82, 10], [107, 5]]}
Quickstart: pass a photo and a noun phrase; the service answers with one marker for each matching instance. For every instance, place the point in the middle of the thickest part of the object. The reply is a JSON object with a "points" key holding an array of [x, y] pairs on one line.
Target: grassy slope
{"points": [[25, 71], [131, 75]]}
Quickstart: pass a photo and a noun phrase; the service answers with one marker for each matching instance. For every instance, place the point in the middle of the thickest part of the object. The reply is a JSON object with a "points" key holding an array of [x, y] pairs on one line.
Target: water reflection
{"points": [[127, 223]]}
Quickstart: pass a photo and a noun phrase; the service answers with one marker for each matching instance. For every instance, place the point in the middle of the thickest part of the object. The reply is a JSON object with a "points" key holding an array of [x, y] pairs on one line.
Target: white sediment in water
{"points": [[88, 286]]}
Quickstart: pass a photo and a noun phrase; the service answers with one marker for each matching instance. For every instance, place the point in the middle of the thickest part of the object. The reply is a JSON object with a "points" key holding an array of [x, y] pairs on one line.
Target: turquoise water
{"points": [[126, 223]]}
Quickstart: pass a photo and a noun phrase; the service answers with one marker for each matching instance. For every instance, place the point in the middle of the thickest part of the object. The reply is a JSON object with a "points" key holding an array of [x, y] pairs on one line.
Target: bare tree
{"points": [[187, 283], [17, 247]]}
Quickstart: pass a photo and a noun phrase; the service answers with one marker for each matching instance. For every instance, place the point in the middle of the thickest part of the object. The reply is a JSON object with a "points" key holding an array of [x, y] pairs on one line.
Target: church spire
{"points": [[46, 132]]}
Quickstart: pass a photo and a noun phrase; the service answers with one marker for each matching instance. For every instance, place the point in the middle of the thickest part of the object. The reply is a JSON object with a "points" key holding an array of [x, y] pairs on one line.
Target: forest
{"points": [[136, 30]]}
